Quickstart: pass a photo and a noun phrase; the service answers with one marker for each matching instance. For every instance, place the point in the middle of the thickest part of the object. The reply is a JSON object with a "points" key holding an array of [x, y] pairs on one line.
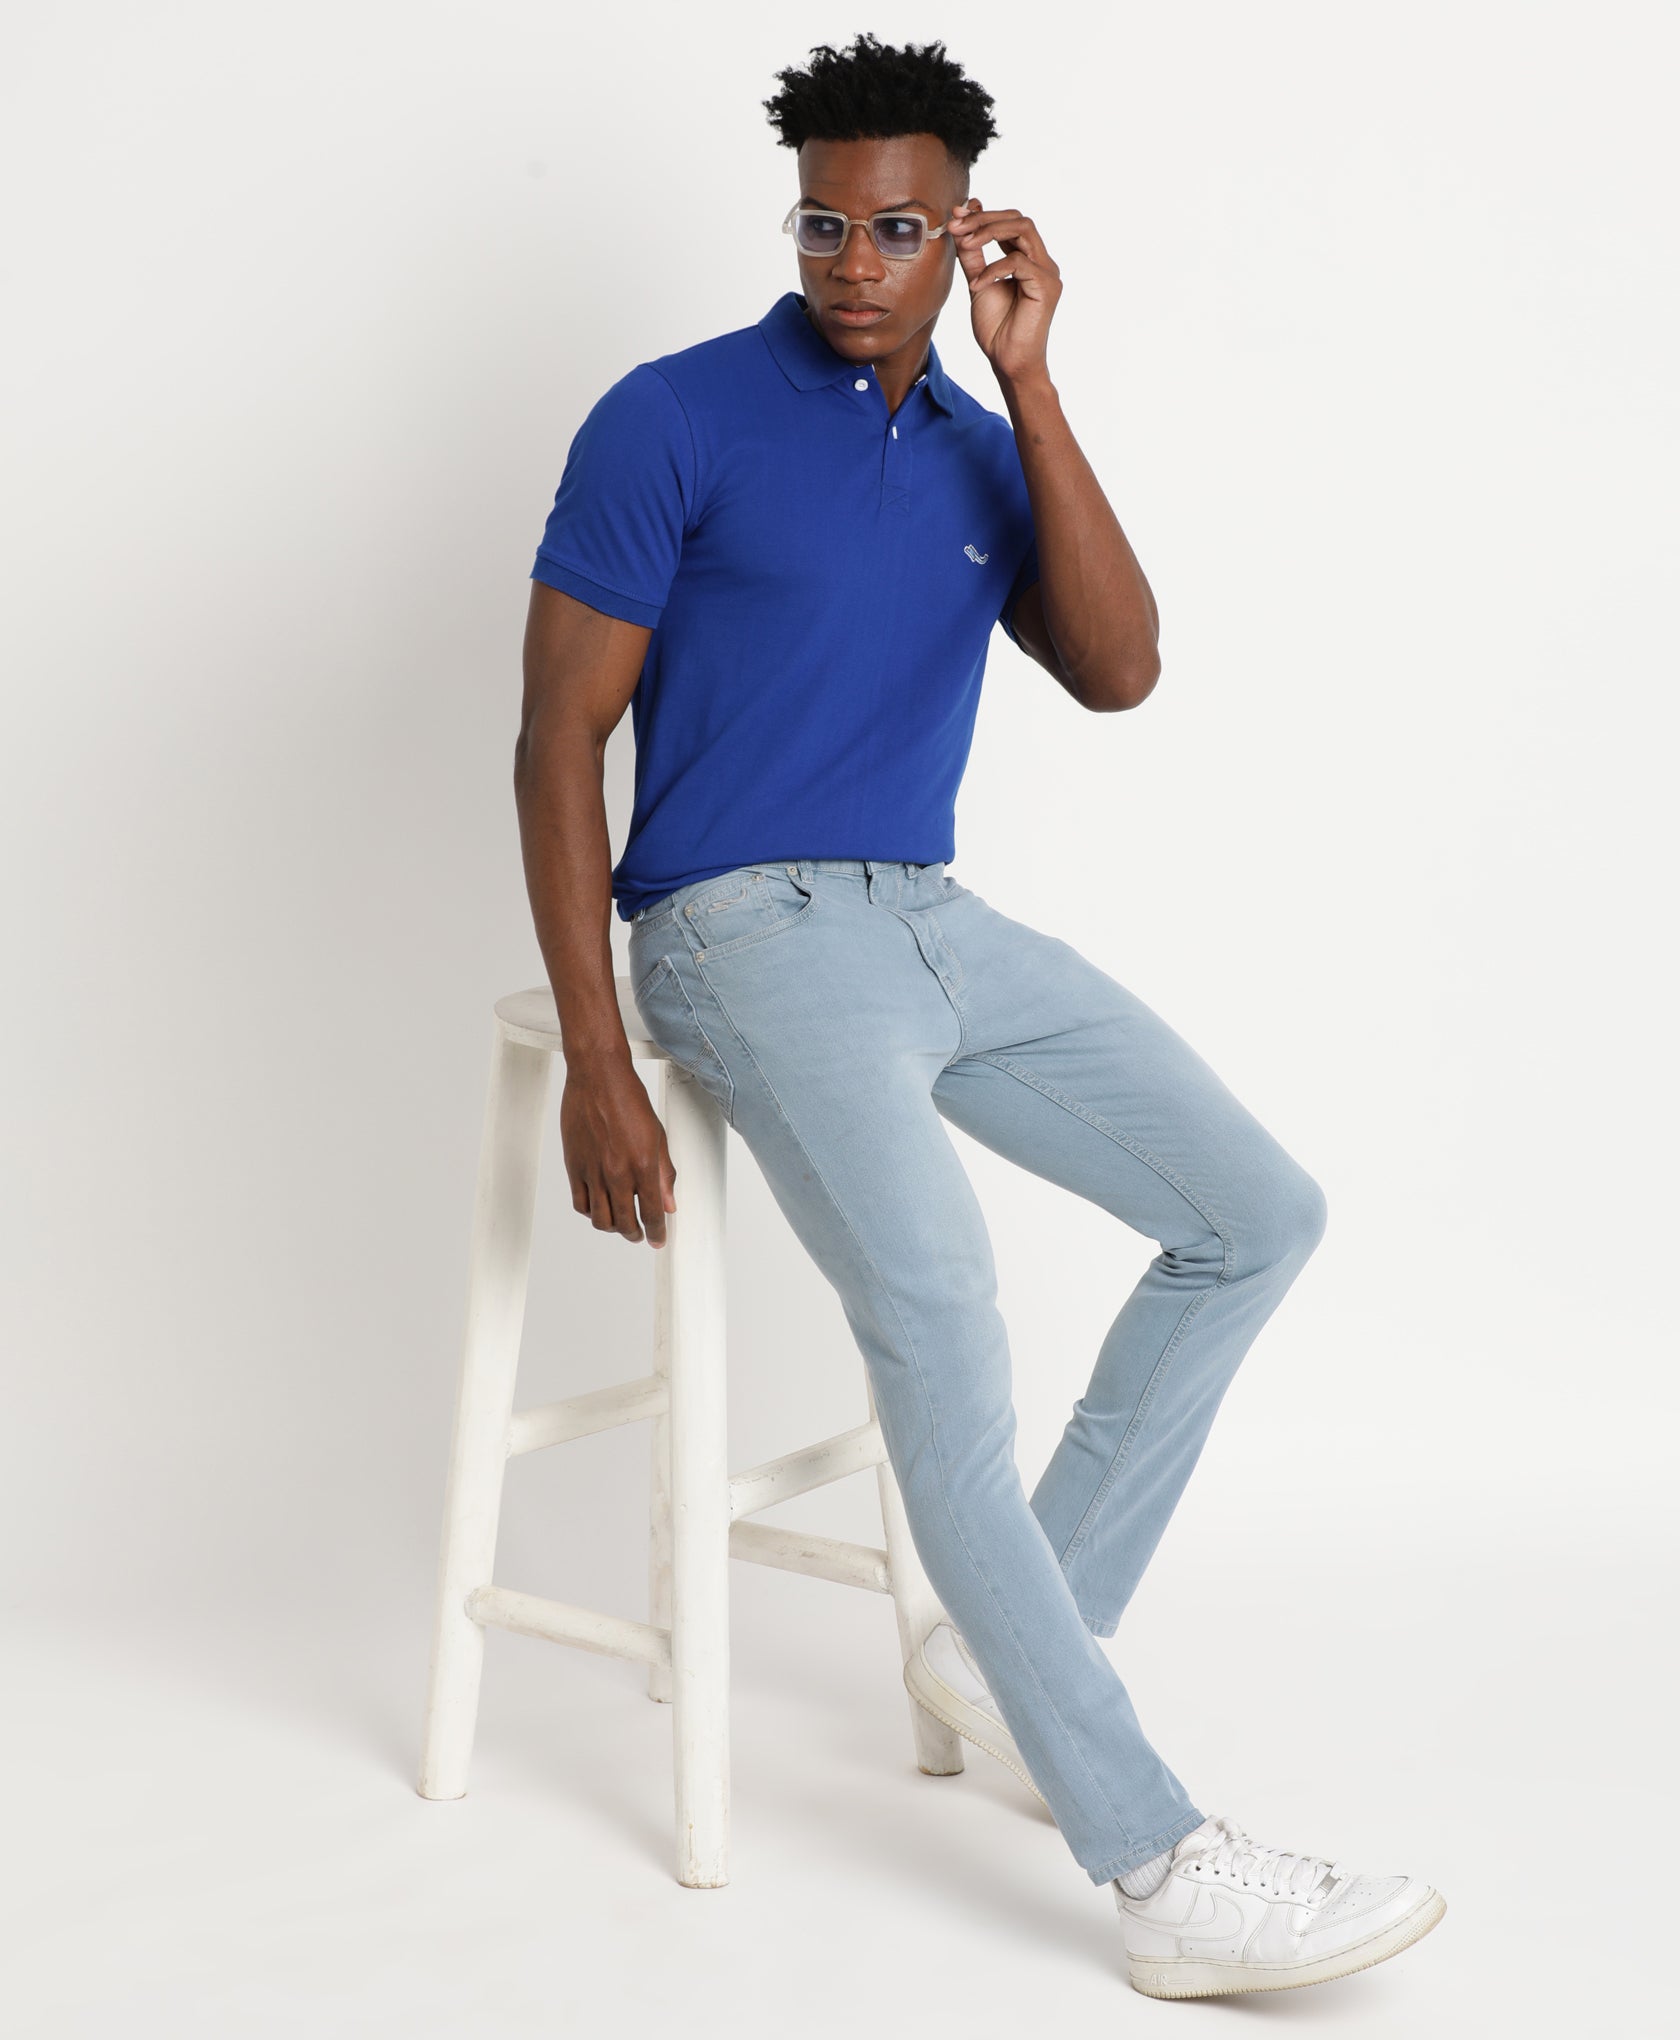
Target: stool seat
{"points": [[698, 1511], [530, 1017]]}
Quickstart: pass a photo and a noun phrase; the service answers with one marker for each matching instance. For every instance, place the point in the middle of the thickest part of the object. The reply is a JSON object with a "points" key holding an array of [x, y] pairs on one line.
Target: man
{"points": [[785, 548]]}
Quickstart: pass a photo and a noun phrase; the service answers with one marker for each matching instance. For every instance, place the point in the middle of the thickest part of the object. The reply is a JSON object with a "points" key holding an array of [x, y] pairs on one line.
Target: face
{"points": [[906, 173]]}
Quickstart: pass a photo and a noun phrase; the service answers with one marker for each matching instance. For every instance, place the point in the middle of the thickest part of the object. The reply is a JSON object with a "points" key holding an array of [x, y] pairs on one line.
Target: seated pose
{"points": [[785, 547]]}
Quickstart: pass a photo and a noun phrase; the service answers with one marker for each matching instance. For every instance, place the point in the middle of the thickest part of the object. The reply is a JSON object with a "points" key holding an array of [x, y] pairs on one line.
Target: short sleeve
{"points": [[615, 533], [1025, 576]]}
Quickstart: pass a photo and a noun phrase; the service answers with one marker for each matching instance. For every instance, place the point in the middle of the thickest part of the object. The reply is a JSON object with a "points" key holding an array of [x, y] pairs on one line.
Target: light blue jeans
{"points": [[840, 1010]]}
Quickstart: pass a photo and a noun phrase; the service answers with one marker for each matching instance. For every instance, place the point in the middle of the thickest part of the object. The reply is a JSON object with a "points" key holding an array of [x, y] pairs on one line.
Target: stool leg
{"points": [[659, 1448], [496, 1282], [691, 1265], [939, 1750]]}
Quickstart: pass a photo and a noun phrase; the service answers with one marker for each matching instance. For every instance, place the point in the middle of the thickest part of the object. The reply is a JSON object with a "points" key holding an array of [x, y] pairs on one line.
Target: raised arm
{"points": [[581, 668], [1090, 619]]}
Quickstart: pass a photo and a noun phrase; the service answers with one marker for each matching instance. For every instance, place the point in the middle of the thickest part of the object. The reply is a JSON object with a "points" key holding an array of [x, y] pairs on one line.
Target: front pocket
{"points": [[772, 902]]}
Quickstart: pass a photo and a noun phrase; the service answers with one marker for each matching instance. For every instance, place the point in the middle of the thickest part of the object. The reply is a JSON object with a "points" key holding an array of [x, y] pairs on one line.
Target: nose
{"points": [[860, 260]]}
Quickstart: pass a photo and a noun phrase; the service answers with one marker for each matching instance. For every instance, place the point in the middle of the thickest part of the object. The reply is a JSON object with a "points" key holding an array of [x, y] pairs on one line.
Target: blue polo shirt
{"points": [[822, 580]]}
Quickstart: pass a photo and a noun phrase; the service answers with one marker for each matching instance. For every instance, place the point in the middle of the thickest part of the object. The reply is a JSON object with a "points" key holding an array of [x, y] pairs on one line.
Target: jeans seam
{"points": [[727, 1104], [1128, 1141], [1082, 1529], [939, 977], [933, 1423], [1087, 1522], [952, 1000]]}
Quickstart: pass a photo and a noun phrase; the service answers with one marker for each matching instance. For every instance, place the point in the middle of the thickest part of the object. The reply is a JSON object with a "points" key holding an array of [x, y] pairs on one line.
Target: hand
{"points": [[615, 1152], [1012, 299]]}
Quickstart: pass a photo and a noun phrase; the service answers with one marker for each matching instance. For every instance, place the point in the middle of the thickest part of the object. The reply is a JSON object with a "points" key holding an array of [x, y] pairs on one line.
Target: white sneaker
{"points": [[1235, 1914], [947, 1682]]}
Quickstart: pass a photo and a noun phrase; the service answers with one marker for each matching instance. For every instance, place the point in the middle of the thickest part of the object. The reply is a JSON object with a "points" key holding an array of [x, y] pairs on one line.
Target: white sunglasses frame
{"points": [[834, 213]]}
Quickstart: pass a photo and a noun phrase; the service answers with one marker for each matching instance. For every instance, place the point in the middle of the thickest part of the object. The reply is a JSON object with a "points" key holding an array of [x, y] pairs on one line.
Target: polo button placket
{"points": [[895, 465]]}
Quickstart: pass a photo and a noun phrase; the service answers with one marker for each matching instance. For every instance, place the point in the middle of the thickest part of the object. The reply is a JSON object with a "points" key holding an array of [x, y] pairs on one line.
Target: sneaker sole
{"points": [[928, 1690], [1181, 1976]]}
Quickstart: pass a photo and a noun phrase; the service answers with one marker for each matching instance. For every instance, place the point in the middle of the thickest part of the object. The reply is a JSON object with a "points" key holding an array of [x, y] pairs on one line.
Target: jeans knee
{"points": [[1287, 1224], [1310, 1212]]}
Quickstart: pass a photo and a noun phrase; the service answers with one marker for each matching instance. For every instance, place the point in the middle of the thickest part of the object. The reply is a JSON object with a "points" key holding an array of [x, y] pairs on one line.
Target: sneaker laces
{"points": [[1235, 1854]]}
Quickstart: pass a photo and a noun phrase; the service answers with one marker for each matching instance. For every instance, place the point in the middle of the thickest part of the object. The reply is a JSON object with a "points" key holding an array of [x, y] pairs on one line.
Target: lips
{"points": [[858, 314]]}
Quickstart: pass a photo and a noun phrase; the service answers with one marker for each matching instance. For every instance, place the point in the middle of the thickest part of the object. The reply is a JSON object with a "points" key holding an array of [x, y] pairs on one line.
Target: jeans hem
{"points": [[1145, 1852]]}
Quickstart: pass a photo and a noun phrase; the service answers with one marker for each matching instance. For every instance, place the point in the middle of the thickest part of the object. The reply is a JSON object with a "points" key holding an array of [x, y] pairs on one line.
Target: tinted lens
{"points": [[899, 233], [819, 233]]}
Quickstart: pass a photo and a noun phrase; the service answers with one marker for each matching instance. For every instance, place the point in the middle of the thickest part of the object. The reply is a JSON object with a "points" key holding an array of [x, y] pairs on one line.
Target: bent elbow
{"points": [[1143, 683], [1127, 690]]}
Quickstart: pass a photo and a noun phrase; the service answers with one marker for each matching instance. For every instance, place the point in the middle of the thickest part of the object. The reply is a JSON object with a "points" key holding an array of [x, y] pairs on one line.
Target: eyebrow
{"points": [[903, 205]]}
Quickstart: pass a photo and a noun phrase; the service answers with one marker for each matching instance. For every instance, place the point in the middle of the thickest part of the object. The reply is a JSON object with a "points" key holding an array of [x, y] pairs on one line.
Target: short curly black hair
{"points": [[869, 91]]}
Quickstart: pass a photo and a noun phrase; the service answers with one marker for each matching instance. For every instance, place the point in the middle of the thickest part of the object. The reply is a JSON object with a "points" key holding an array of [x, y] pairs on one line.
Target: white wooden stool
{"points": [[699, 1514]]}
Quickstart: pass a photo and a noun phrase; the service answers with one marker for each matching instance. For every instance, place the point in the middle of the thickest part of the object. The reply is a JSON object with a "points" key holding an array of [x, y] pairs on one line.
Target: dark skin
{"points": [[1090, 620]]}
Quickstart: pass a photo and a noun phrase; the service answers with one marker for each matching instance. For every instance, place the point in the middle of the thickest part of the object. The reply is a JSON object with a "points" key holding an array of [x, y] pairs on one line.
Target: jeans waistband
{"points": [[896, 871]]}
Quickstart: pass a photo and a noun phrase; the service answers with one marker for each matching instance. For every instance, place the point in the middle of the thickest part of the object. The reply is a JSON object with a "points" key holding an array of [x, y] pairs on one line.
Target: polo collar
{"points": [[809, 363]]}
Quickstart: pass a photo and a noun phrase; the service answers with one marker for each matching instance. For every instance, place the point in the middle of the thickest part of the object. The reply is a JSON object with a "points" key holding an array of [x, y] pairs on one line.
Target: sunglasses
{"points": [[899, 235]]}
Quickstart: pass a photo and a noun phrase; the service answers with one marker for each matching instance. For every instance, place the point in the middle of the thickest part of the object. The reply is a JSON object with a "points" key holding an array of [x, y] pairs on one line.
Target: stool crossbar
{"points": [[699, 1515]]}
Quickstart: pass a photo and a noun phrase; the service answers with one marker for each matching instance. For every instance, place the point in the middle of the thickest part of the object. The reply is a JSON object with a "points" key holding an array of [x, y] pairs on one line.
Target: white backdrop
{"points": [[1369, 329]]}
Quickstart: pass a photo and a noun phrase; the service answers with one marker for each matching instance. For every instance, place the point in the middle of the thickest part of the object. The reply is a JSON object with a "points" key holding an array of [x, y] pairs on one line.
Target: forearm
{"points": [[1098, 607], [557, 777]]}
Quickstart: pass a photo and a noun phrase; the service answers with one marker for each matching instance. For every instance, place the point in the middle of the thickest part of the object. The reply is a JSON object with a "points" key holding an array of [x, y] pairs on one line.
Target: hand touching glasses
{"points": [[1011, 300]]}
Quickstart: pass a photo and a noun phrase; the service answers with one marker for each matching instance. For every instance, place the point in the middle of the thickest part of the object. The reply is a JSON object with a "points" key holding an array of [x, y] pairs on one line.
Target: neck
{"points": [[919, 369]]}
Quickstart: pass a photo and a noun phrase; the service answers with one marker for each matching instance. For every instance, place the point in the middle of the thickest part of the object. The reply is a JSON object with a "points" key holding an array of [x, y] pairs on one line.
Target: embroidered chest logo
{"points": [[979, 558]]}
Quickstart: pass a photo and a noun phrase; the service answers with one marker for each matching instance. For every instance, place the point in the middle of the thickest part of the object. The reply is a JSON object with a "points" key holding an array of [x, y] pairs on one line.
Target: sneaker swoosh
{"points": [[1224, 1922]]}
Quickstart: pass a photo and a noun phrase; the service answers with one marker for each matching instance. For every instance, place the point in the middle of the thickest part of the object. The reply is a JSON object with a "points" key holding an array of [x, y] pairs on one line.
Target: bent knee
{"points": [[1286, 1224], [1312, 1210]]}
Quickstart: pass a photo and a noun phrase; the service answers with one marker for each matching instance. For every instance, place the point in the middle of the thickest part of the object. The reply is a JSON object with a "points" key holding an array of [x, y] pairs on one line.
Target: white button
{"points": [[862, 383]]}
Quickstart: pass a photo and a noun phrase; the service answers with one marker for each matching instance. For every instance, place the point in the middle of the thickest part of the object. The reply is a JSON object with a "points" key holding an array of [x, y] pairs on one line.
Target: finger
{"points": [[601, 1208], [1014, 230], [607, 1203], [656, 1198], [972, 258], [965, 226], [1033, 280], [622, 1186], [958, 225], [982, 216], [967, 247]]}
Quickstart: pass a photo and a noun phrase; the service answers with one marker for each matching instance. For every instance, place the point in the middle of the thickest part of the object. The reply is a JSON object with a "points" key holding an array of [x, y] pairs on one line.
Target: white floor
{"points": [[212, 1827]]}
